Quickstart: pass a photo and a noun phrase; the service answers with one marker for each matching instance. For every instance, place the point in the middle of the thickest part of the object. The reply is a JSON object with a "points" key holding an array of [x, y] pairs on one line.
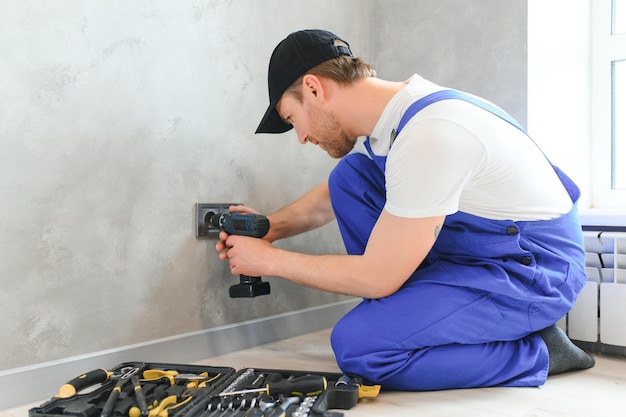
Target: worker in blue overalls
{"points": [[462, 238]]}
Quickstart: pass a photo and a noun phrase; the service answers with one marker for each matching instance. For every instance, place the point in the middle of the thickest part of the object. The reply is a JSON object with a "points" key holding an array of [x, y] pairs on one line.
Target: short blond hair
{"points": [[343, 70]]}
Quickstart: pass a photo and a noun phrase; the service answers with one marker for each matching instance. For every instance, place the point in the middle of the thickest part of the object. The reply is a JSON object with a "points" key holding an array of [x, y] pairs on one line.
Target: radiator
{"points": [[597, 322]]}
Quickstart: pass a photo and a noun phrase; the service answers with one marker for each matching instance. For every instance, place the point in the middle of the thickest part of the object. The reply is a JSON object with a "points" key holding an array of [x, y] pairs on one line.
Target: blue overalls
{"points": [[467, 316]]}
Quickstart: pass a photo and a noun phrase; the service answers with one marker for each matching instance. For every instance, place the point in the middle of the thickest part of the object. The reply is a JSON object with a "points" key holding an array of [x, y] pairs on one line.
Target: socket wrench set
{"points": [[138, 389]]}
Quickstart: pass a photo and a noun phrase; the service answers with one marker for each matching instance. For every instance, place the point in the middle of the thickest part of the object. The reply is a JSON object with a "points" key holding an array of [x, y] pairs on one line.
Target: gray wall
{"points": [[117, 117], [478, 46]]}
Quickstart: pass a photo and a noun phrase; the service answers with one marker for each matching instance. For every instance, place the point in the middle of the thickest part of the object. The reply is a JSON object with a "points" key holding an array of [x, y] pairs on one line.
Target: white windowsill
{"points": [[602, 217]]}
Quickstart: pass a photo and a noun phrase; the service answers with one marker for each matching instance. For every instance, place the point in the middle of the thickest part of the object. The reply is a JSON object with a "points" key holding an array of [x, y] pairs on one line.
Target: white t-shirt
{"points": [[454, 156]]}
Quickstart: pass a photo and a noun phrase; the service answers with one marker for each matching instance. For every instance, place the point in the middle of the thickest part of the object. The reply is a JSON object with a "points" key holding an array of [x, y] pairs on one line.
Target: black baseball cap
{"points": [[291, 59]]}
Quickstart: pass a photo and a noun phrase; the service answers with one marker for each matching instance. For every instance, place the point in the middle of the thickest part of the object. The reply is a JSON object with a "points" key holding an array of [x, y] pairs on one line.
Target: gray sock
{"points": [[564, 355]]}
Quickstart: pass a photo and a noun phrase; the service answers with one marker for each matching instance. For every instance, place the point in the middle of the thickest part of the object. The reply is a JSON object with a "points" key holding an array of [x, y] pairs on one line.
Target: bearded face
{"points": [[327, 133]]}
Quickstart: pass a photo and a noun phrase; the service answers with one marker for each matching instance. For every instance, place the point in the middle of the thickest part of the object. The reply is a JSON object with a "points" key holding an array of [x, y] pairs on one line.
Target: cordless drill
{"points": [[252, 225]]}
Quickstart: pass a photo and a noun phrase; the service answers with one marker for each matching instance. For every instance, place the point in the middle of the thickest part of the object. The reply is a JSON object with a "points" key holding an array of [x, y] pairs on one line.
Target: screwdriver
{"points": [[83, 381], [306, 385]]}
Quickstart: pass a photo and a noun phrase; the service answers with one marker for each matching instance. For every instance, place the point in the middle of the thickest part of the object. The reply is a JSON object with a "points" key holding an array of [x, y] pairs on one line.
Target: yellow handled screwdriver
{"points": [[307, 386], [88, 379]]}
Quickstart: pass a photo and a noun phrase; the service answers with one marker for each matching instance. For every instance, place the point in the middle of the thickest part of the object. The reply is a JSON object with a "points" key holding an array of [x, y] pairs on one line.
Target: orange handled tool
{"points": [[83, 381]]}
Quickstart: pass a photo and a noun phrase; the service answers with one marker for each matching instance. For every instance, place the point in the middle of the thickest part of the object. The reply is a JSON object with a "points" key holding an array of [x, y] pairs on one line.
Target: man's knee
{"points": [[344, 339], [355, 355], [355, 351]]}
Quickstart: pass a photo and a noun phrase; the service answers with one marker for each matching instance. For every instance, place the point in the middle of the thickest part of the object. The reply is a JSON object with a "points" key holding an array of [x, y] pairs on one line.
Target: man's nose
{"points": [[302, 138]]}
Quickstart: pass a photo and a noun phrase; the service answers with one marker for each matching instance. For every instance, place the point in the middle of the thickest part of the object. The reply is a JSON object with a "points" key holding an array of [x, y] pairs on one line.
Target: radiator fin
{"points": [[598, 317]]}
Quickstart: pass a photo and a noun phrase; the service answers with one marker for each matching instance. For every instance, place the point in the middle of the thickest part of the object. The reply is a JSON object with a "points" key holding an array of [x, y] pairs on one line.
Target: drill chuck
{"points": [[252, 225]]}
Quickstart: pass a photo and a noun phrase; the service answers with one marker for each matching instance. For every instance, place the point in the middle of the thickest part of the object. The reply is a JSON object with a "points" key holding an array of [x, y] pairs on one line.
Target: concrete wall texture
{"points": [[117, 117]]}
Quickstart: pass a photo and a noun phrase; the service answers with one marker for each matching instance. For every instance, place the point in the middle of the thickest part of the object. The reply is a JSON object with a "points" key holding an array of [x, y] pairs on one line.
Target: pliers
{"points": [[115, 392], [94, 377]]}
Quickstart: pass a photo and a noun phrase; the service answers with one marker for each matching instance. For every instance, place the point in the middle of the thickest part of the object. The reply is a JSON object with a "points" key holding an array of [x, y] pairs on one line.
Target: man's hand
{"points": [[242, 209], [225, 246], [246, 255], [395, 249]]}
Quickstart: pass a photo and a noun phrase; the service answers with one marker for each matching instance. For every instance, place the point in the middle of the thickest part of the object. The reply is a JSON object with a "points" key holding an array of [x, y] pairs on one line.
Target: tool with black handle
{"points": [[115, 392], [343, 395], [91, 378], [140, 395], [304, 386], [241, 224]]}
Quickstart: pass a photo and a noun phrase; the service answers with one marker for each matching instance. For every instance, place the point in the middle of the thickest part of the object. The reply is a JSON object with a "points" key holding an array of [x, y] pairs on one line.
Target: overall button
{"points": [[526, 260], [511, 230]]}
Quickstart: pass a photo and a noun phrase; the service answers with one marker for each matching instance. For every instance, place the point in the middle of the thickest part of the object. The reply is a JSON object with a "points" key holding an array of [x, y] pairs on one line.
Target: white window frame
{"points": [[605, 48], [559, 86]]}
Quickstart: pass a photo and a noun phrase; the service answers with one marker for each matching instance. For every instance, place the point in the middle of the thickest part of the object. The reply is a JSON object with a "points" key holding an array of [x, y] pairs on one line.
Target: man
{"points": [[461, 237]]}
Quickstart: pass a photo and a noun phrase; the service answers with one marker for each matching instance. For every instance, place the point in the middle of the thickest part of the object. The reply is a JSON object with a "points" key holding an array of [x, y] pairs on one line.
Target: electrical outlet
{"points": [[204, 212]]}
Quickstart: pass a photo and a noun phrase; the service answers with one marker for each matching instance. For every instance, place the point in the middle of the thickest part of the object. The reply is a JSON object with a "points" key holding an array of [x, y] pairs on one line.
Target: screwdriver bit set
{"points": [[138, 389]]}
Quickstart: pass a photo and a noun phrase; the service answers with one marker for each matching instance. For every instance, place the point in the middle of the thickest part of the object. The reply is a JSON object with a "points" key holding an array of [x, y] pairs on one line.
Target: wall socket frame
{"points": [[204, 212]]}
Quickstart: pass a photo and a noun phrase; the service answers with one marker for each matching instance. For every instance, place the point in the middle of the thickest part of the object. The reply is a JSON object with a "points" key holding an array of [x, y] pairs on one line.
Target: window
{"points": [[608, 110], [619, 17], [619, 124]]}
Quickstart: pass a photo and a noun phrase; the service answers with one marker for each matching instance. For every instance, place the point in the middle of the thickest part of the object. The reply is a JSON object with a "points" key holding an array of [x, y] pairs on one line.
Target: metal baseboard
{"points": [[39, 382]]}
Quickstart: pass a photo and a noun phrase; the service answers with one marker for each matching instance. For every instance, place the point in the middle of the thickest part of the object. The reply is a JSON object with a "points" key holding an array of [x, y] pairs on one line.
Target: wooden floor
{"points": [[596, 392]]}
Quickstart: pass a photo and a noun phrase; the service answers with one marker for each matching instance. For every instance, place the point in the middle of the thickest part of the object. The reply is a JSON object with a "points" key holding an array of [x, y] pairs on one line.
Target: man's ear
{"points": [[312, 85]]}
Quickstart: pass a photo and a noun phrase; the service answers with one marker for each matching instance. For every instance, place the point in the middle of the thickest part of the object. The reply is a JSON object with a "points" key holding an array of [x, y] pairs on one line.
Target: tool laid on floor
{"points": [[251, 225], [140, 395], [138, 389], [168, 404], [172, 375], [260, 406], [281, 409], [83, 381], [343, 395], [306, 386], [115, 392], [89, 379]]}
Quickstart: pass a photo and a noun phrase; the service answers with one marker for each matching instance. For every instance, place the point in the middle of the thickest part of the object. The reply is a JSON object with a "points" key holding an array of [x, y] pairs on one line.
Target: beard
{"points": [[340, 146], [328, 133]]}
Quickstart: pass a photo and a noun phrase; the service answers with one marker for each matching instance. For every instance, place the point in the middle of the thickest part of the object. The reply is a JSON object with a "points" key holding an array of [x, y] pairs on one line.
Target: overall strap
{"points": [[453, 94], [446, 95], [425, 101]]}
